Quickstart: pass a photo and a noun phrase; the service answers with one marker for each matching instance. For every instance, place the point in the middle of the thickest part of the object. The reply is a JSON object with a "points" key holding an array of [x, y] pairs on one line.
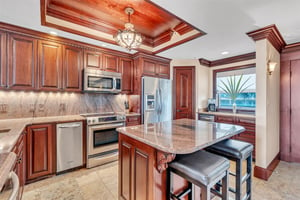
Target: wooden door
{"points": [[22, 52], [110, 63], [92, 59], [40, 151], [127, 75], [72, 68], [149, 67], [3, 83], [295, 111], [50, 66], [184, 87]]}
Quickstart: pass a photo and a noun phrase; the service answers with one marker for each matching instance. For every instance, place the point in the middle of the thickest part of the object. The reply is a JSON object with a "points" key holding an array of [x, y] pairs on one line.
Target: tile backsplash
{"points": [[18, 104]]}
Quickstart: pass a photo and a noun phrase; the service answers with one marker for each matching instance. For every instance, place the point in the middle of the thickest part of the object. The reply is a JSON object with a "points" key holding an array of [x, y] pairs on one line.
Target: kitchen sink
{"points": [[4, 130]]}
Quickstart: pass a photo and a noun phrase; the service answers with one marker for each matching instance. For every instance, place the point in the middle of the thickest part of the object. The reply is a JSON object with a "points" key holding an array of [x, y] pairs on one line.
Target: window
{"points": [[246, 100]]}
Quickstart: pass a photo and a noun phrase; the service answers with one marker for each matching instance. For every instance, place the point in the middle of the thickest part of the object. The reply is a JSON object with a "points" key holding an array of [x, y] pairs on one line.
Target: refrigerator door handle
{"points": [[160, 99]]}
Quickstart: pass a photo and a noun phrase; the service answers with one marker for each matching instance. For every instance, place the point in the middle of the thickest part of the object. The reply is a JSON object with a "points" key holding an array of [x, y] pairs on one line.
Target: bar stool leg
{"points": [[238, 180], [205, 193], [225, 192], [249, 170]]}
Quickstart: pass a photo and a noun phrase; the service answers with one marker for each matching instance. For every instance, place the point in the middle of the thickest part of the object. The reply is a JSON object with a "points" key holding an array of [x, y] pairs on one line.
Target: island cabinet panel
{"points": [[40, 151], [3, 61], [50, 66], [22, 59], [72, 68], [92, 59], [110, 63], [20, 166], [136, 169], [126, 66]]}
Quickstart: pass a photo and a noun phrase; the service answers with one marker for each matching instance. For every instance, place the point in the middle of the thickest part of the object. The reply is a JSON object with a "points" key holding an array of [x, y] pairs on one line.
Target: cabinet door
{"points": [[92, 59], [72, 68], [50, 66], [163, 70], [127, 75], [2, 59], [149, 67], [133, 120], [40, 151], [22, 52], [110, 63]]}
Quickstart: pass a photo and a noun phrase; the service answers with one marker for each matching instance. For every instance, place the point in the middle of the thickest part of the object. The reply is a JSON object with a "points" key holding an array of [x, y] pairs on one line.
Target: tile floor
{"points": [[101, 183]]}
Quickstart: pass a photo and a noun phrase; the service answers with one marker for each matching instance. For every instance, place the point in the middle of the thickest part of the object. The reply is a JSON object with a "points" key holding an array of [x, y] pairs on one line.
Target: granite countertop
{"points": [[181, 136], [252, 116], [132, 114], [7, 160], [10, 129]]}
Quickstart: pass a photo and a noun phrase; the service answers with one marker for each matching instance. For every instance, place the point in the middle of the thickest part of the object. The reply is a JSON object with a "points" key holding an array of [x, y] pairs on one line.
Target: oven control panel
{"points": [[106, 119]]}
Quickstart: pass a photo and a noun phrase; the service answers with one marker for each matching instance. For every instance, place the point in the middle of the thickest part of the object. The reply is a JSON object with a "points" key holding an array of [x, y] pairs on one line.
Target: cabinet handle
{"points": [[19, 160]]}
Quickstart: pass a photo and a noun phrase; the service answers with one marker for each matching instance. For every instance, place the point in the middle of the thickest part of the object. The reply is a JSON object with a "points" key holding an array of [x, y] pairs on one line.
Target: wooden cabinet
{"points": [[22, 59], [110, 63], [248, 123], [126, 68], [133, 120], [50, 66], [136, 171], [40, 142], [3, 53], [72, 68], [156, 69], [163, 70], [149, 67], [20, 166], [92, 59]]}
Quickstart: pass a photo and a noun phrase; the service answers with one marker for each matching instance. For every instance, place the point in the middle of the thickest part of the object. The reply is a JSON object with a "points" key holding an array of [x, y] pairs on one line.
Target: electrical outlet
{"points": [[41, 107], [31, 108], [3, 108]]}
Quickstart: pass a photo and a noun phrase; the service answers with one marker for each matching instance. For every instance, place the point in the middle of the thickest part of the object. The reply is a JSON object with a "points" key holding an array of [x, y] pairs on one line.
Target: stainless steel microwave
{"points": [[96, 80]]}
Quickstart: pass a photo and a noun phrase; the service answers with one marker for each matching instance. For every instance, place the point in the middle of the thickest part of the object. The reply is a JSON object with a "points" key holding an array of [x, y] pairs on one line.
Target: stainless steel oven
{"points": [[102, 138]]}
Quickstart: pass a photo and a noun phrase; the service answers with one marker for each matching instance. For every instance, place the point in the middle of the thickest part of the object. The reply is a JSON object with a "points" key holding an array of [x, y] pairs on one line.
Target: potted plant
{"points": [[233, 87]]}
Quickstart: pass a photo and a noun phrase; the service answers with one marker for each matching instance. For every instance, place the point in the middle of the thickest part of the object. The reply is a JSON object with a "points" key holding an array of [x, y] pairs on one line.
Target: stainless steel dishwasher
{"points": [[68, 146]]}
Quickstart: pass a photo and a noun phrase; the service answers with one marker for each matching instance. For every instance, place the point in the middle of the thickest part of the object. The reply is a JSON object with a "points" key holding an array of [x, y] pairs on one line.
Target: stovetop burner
{"points": [[104, 117]]}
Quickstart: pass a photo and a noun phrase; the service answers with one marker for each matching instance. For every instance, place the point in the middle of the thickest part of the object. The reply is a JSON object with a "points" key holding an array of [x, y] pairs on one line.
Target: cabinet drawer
{"points": [[133, 120], [246, 121], [222, 119]]}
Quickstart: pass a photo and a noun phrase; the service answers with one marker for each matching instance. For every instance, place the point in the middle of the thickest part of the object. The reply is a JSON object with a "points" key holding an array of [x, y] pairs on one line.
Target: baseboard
{"points": [[265, 174]]}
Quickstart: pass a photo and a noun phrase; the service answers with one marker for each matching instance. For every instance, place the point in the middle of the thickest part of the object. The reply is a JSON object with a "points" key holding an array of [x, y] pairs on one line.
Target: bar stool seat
{"points": [[203, 169], [237, 151]]}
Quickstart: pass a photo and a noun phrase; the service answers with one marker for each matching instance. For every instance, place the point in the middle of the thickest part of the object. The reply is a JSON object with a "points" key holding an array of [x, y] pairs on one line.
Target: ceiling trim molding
{"points": [[224, 61], [270, 33], [291, 48]]}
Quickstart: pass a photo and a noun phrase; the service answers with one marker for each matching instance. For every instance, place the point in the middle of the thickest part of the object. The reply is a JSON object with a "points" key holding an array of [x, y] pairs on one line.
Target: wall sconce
{"points": [[271, 67]]}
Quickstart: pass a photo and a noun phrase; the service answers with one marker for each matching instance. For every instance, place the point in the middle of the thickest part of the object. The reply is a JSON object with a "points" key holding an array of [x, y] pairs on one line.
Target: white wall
{"points": [[202, 80], [267, 104]]}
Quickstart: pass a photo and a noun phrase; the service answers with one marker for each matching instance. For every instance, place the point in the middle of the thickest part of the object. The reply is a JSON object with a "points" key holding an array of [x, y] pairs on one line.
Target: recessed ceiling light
{"points": [[53, 32], [225, 53]]}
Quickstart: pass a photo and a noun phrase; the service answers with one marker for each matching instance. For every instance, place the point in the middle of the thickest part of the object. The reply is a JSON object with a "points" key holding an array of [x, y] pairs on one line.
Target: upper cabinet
{"points": [[72, 68], [22, 55], [163, 70], [126, 68], [50, 66], [92, 59], [110, 63], [3, 36]]}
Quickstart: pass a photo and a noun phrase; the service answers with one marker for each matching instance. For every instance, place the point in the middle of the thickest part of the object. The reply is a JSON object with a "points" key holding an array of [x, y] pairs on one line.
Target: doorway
{"points": [[184, 92]]}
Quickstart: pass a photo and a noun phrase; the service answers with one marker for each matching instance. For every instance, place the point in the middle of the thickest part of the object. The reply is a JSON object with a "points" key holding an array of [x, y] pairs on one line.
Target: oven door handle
{"points": [[101, 127]]}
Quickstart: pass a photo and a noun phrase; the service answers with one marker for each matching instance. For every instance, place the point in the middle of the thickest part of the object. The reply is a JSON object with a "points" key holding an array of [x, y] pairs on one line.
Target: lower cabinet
{"points": [[40, 141], [133, 120], [248, 123], [20, 166]]}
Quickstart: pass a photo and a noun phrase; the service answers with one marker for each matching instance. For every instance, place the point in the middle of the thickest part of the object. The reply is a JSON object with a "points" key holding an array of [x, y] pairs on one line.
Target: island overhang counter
{"points": [[145, 151]]}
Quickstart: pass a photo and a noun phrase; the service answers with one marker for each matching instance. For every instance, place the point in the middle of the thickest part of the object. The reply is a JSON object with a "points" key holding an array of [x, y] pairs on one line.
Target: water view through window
{"points": [[228, 82]]}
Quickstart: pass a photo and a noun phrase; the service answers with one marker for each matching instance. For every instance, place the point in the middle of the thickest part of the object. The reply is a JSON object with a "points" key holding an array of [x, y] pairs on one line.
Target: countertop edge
{"points": [[6, 166], [228, 114]]}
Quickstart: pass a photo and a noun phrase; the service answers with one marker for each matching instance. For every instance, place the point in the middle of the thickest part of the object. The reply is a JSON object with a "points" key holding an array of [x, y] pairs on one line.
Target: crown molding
{"points": [[224, 61], [270, 33]]}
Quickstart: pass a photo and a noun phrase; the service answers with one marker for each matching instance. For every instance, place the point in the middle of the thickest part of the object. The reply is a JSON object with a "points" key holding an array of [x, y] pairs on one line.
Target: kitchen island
{"points": [[146, 150]]}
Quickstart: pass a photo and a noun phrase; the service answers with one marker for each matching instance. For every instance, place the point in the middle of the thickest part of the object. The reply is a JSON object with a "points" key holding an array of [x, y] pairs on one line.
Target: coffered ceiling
{"points": [[101, 20]]}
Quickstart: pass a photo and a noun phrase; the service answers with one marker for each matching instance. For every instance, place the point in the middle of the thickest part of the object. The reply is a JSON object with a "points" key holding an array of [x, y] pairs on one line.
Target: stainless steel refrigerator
{"points": [[157, 100]]}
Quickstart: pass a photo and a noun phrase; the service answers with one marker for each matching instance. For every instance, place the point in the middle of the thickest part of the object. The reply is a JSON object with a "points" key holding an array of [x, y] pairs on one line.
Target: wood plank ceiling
{"points": [[101, 20]]}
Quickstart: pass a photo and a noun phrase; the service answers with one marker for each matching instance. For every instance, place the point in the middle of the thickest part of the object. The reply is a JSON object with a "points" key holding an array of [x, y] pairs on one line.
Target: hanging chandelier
{"points": [[128, 38]]}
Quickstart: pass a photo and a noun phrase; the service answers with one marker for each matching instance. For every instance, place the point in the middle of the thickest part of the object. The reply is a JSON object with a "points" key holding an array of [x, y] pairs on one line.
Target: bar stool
{"points": [[236, 151], [203, 169]]}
